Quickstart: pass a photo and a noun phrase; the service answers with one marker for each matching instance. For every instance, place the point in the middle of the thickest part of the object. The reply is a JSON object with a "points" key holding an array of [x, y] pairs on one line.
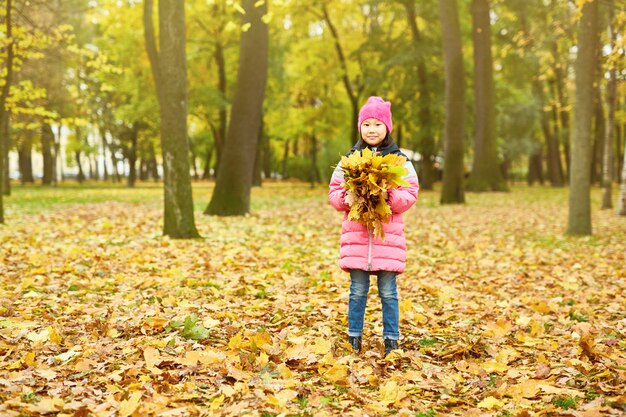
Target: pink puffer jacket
{"points": [[359, 249]]}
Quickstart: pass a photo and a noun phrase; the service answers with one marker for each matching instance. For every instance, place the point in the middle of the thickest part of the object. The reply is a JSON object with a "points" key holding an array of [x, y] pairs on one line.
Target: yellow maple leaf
{"points": [[29, 359], [128, 407], [322, 346], [391, 393], [490, 403], [281, 399], [47, 405], [337, 373]]}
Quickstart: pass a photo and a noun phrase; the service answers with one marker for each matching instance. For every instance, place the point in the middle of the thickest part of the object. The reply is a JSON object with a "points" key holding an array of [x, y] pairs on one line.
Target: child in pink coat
{"points": [[362, 254]]}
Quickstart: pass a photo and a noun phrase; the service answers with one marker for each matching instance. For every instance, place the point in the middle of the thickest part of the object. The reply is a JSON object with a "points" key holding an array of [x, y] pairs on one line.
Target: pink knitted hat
{"points": [[376, 108]]}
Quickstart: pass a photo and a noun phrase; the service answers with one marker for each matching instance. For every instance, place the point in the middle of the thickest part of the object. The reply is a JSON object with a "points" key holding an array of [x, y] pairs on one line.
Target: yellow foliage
{"points": [[368, 176]]}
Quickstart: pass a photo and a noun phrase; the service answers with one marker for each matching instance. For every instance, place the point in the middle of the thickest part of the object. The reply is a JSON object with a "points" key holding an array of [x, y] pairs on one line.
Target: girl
{"points": [[362, 254]]}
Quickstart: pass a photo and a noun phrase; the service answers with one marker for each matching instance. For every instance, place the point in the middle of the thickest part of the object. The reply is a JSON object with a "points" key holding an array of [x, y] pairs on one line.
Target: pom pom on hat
{"points": [[376, 108]]}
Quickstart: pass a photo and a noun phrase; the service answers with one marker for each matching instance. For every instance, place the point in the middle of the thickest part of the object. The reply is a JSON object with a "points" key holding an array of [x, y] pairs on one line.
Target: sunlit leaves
{"points": [[92, 297]]}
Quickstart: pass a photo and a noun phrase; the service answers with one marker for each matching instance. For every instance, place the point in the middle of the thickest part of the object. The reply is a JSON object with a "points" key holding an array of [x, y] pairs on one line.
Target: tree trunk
{"points": [[611, 93], [285, 159], [267, 157], [114, 162], [598, 137], [220, 134], [47, 149], [105, 171], [452, 188], [4, 94], [257, 179], [535, 165], [169, 68], [561, 115], [579, 221], [57, 163], [26, 159], [425, 136], [231, 195], [485, 175], [315, 171], [132, 156], [192, 159], [208, 157], [621, 200], [553, 158], [618, 152], [81, 174], [353, 96]]}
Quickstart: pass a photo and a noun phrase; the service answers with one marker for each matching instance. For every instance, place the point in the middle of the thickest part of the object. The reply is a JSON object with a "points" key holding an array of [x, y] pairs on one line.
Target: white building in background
{"points": [[66, 164]]}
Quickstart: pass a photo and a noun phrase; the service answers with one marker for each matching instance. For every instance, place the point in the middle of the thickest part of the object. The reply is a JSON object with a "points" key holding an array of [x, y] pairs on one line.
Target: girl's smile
{"points": [[373, 131]]}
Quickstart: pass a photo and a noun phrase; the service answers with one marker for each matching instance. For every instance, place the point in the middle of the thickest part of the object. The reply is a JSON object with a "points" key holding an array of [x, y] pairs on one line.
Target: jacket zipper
{"points": [[369, 250]]}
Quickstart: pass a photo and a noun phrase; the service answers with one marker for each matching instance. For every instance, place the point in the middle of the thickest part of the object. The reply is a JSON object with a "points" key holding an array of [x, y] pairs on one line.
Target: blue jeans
{"points": [[387, 290]]}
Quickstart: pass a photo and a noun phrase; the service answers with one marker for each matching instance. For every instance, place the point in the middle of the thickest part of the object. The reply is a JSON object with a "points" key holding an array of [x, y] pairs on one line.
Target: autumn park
{"points": [[312, 208]]}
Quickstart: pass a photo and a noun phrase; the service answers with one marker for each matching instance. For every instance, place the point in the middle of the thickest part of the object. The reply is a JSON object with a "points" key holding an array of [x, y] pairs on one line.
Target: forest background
{"points": [[120, 118]]}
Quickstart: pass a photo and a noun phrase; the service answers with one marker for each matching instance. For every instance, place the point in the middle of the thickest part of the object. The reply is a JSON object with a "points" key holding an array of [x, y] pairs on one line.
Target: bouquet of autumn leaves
{"points": [[367, 177]]}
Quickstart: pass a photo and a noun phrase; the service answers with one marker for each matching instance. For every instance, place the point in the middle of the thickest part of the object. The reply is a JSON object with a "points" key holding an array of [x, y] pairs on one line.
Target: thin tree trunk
{"points": [[611, 94], [553, 159], [57, 163], [535, 165], [452, 189], [562, 135], [169, 68], [315, 171], [353, 96], [206, 174], [81, 175], [231, 195], [579, 221], [486, 174], [192, 159], [26, 159], [619, 152], [621, 200], [4, 94], [114, 162], [598, 137], [285, 159], [257, 179], [104, 154], [47, 149], [132, 156], [426, 138], [220, 133]]}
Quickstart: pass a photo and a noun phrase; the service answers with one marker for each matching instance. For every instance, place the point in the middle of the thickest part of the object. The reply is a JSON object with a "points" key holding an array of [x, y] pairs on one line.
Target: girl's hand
{"points": [[385, 195], [349, 198]]}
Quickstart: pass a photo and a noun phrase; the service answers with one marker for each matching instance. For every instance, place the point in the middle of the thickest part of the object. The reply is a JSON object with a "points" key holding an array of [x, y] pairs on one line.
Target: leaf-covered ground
{"points": [[501, 314]]}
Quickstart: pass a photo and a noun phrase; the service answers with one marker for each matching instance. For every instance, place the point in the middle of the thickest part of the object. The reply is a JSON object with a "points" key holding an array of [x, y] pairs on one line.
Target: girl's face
{"points": [[373, 131]]}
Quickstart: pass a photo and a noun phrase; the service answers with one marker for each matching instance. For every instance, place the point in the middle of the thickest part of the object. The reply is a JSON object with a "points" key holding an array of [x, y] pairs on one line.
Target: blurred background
{"points": [[83, 102]]}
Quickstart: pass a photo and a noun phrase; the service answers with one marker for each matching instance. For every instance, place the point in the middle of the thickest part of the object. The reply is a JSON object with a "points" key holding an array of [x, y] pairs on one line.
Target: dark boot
{"points": [[390, 345], [355, 341]]}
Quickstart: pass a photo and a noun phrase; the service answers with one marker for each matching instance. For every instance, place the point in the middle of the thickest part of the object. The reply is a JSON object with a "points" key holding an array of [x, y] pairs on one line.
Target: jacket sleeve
{"points": [[402, 198], [336, 192]]}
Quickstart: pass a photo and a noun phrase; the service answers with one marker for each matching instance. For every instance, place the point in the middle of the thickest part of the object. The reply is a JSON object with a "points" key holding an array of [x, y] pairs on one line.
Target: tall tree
{"points": [[427, 141], [621, 200], [4, 94], [611, 90], [485, 175], [234, 178], [169, 69], [452, 189], [579, 222], [354, 92]]}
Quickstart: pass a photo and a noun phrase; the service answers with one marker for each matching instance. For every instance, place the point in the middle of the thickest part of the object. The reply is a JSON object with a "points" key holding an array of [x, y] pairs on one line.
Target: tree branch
{"points": [[151, 48]]}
